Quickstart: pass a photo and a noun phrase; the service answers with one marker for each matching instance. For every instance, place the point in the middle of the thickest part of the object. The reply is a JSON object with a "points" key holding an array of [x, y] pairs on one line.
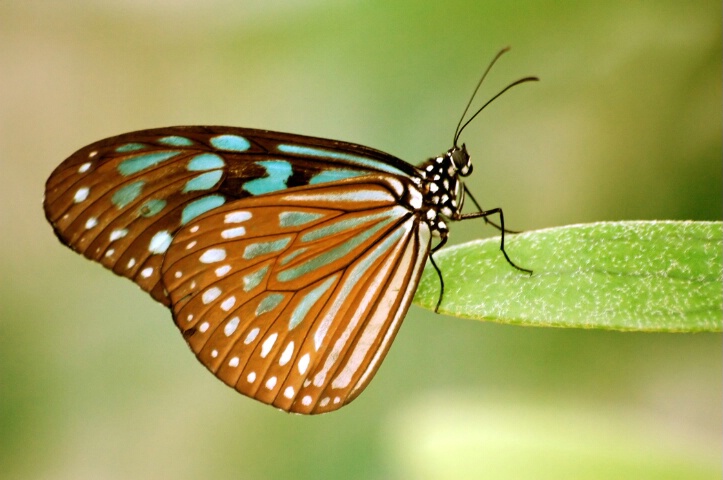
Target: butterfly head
{"points": [[461, 160]]}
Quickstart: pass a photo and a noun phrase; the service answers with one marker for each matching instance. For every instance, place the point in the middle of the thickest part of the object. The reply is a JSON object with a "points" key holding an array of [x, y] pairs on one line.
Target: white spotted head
{"points": [[461, 160]]}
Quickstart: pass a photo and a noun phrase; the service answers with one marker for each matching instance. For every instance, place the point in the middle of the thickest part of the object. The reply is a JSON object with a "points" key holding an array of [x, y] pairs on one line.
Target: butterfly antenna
{"points": [[457, 132], [521, 80]]}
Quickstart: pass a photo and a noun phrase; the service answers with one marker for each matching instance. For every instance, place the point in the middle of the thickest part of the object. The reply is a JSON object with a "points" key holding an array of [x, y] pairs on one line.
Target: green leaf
{"points": [[662, 276]]}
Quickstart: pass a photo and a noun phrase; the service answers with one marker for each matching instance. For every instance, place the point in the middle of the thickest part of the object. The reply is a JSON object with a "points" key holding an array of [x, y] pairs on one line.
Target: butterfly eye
{"points": [[462, 161]]}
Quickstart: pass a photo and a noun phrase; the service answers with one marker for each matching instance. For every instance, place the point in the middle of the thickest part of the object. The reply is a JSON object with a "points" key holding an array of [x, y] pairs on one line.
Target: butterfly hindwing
{"points": [[293, 298], [120, 201]]}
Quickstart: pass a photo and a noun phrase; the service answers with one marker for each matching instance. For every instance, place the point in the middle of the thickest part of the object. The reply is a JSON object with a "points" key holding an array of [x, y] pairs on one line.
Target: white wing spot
{"points": [[81, 194], [191, 245], [268, 344], [92, 222], [160, 242], [118, 234], [84, 168], [286, 356], [231, 326], [93, 154], [233, 362], [251, 336], [131, 262], [147, 272], [189, 317], [306, 400], [194, 228], [214, 353], [221, 271], [204, 326], [325, 401], [228, 304], [233, 232], [178, 274], [110, 253], [289, 392], [213, 255], [271, 383], [304, 363], [210, 295], [237, 217], [415, 198], [251, 377], [337, 400]]}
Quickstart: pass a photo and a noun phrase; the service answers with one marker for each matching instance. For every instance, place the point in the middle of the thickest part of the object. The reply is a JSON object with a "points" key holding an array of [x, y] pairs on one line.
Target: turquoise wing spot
{"points": [[254, 250], [253, 279], [331, 255], [292, 255], [130, 147], [360, 270], [277, 174], [340, 226], [141, 162], [295, 219], [201, 206], [205, 161], [321, 153], [358, 273], [269, 302], [123, 196], [175, 141], [302, 309], [334, 175], [205, 181], [152, 207], [234, 143]]}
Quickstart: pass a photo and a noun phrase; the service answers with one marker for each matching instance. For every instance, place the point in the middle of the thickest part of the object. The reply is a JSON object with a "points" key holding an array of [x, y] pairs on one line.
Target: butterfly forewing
{"points": [[120, 201], [293, 298]]}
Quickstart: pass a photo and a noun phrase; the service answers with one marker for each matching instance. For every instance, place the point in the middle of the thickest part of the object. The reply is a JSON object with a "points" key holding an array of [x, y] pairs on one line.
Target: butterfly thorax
{"points": [[442, 187]]}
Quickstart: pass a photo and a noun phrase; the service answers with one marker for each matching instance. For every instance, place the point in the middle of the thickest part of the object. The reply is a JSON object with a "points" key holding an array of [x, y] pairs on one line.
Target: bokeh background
{"points": [[95, 381]]}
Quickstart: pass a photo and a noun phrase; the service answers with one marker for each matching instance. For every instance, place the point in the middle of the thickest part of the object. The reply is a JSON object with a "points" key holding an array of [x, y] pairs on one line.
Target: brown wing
{"points": [[121, 200], [294, 298]]}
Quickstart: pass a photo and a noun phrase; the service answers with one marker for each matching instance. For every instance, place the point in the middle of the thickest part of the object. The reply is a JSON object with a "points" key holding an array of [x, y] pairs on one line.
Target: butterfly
{"points": [[288, 261]]}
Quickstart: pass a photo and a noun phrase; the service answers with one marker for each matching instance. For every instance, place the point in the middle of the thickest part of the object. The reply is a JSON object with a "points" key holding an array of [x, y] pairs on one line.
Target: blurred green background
{"points": [[95, 381]]}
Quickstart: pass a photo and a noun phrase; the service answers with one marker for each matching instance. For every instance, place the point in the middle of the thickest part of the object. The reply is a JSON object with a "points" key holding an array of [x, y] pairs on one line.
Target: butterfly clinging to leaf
{"points": [[288, 261]]}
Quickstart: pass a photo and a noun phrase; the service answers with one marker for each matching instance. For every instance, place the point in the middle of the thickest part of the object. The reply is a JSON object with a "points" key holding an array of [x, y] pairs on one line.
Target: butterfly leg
{"points": [[484, 214], [441, 243], [488, 221]]}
